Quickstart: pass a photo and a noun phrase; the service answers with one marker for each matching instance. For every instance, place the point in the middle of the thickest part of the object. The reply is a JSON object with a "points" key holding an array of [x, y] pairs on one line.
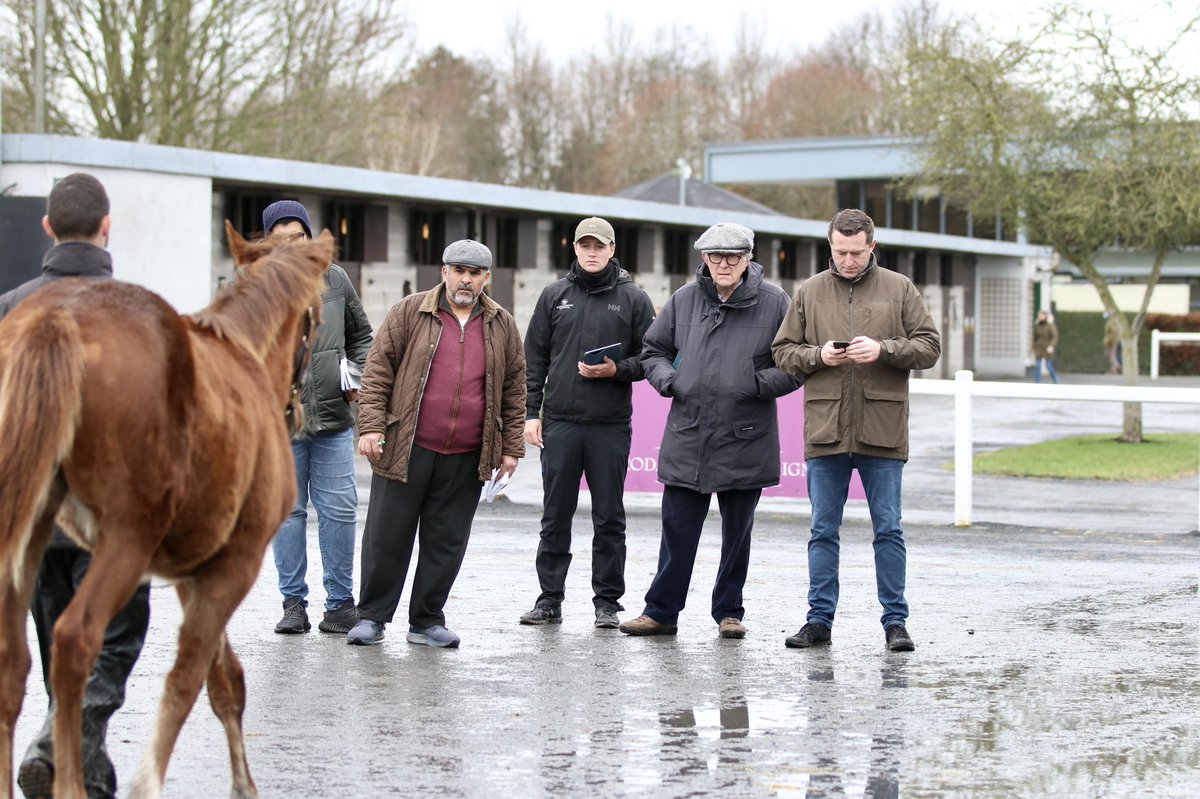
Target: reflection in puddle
{"points": [[821, 744]]}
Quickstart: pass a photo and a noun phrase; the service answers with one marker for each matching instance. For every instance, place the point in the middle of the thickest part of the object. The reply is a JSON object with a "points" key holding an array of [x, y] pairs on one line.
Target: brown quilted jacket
{"points": [[397, 366]]}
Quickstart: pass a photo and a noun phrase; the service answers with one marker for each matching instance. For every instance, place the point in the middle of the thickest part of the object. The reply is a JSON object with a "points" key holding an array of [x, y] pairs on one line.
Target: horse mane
{"points": [[277, 282]]}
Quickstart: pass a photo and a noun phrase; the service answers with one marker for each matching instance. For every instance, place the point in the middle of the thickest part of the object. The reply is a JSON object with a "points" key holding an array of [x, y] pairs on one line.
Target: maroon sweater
{"points": [[450, 421]]}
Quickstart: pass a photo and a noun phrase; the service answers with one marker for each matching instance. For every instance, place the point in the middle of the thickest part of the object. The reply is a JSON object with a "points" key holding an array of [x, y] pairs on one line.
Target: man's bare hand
{"points": [[864, 349], [833, 356], [600, 370], [533, 432], [371, 445]]}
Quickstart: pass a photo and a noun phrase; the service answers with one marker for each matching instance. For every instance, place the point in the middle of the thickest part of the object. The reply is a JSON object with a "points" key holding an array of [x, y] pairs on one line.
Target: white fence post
{"points": [[963, 463], [1154, 345]]}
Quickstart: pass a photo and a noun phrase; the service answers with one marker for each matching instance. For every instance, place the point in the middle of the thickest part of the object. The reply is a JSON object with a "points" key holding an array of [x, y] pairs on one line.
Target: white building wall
{"points": [[161, 226]]}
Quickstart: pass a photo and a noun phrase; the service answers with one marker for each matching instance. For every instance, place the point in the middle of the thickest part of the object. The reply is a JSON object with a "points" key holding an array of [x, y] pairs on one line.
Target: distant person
{"points": [[855, 332], [1045, 339], [710, 352], [442, 409], [78, 220], [579, 414], [1112, 343], [324, 450]]}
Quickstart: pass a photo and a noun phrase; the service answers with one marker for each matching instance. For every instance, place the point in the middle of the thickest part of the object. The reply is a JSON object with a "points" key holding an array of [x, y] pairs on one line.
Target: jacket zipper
{"points": [[425, 381], [462, 360], [853, 369]]}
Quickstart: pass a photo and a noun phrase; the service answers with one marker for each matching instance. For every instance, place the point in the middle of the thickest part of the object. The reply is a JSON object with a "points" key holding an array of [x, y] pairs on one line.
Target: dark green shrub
{"points": [[1081, 343]]}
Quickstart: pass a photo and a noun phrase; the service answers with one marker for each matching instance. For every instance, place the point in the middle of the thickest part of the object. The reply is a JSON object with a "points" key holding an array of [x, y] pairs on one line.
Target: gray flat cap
{"points": [[726, 237], [468, 253]]}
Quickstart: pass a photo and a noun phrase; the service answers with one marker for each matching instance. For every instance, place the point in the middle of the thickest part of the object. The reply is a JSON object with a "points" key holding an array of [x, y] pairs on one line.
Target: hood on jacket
{"points": [[746, 292]]}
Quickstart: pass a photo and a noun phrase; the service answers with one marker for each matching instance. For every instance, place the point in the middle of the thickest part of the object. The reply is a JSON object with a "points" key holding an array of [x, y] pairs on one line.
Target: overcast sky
{"points": [[478, 27]]}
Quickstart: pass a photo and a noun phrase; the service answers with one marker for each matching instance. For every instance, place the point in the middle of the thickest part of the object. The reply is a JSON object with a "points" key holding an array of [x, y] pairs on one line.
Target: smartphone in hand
{"points": [[840, 345]]}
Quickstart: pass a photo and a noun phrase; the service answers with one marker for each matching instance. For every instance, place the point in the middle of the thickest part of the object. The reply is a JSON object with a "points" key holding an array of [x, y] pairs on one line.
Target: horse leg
{"points": [[14, 648], [209, 602], [227, 696], [112, 577]]}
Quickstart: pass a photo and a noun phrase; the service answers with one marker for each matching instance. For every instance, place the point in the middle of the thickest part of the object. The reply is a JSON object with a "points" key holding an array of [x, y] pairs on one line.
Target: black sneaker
{"points": [[897, 639], [295, 617], [341, 619], [543, 614], [606, 619], [811, 634]]}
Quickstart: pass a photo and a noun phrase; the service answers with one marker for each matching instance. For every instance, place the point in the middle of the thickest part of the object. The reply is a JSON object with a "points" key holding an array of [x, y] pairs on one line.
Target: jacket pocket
{"points": [[391, 444], [681, 418], [885, 417], [822, 408], [750, 429]]}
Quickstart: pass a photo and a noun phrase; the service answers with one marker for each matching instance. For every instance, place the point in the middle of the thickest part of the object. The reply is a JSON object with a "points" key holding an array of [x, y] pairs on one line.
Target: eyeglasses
{"points": [[717, 258]]}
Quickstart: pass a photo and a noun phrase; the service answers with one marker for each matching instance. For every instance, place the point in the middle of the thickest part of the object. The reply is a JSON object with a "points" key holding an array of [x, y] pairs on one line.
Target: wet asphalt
{"points": [[1057, 655]]}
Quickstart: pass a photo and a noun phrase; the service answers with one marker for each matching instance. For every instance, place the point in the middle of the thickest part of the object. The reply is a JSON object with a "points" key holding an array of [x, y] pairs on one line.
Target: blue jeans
{"points": [[324, 473], [828, 486], [1049, 368]]}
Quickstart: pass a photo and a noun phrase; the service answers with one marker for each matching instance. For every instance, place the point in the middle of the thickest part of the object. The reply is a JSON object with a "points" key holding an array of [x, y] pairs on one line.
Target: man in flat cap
{"points": [[710, 352], [442, 407], [578, 411]]}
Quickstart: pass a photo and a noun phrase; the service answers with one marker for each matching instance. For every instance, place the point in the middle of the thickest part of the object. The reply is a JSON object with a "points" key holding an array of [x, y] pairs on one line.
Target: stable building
{"points": [[169, 207]]}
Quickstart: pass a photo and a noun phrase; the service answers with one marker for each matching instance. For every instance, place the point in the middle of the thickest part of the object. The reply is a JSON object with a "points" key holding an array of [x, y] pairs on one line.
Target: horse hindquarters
{"points": [[41, 377]]}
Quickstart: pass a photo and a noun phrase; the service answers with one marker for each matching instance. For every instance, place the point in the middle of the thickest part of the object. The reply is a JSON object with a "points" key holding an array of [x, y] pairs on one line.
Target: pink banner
{"points": [[650, 418]]}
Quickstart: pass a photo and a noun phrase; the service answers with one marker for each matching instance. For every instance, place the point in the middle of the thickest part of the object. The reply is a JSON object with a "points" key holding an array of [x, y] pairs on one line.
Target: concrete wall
{"points": [[161, 231], [1169, 298]]}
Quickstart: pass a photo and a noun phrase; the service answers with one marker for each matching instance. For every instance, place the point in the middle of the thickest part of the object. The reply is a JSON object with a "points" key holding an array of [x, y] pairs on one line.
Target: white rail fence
{"points": [[964, 388], [1158, 338]]}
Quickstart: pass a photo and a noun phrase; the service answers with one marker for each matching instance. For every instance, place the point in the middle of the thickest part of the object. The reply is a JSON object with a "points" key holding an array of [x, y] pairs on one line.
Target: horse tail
{"points": [[41, 377]]}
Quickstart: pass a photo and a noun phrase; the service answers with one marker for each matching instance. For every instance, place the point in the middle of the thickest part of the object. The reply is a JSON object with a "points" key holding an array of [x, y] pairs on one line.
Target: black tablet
{"points": [[596, 357]]}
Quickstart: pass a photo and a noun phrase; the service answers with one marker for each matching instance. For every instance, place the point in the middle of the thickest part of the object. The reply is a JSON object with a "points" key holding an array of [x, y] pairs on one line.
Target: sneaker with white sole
{"points": [[366, 633], [437, 635]]}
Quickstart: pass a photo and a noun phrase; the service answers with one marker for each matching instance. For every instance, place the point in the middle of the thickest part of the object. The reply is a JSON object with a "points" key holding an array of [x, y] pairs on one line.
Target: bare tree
{"points": [[204, 73], [531, 132], [1084, 140]]}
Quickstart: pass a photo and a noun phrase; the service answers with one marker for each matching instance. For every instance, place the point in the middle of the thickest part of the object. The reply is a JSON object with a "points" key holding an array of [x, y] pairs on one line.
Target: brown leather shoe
{"points": [[644, 625], [732, 628]]}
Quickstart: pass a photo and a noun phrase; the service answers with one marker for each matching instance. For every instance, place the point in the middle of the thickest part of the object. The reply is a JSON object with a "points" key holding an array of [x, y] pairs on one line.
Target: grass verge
{"points": [[1102, 457]]}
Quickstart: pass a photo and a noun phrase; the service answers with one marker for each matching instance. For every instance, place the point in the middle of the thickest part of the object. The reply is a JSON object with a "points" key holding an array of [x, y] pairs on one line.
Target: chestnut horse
{"points": [[160, 443]]}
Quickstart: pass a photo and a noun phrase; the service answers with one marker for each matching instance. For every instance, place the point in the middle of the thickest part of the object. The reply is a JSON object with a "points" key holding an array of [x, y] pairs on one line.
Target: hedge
{"points": [[1081, 343]]}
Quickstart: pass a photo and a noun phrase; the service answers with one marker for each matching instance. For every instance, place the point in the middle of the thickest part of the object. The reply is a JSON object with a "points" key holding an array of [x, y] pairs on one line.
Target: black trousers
{"points": [[601, 453], [59, 576], [683, 514], [437, 504]]}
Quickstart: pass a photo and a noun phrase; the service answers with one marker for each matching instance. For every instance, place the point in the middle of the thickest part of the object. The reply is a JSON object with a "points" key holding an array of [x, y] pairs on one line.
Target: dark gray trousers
{"points": [[601, 453], [436, 505], [59, 576]]}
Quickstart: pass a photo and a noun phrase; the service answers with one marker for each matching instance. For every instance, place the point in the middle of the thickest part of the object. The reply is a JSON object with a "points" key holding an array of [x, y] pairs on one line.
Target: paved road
{"points": [[1056, 657]]}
